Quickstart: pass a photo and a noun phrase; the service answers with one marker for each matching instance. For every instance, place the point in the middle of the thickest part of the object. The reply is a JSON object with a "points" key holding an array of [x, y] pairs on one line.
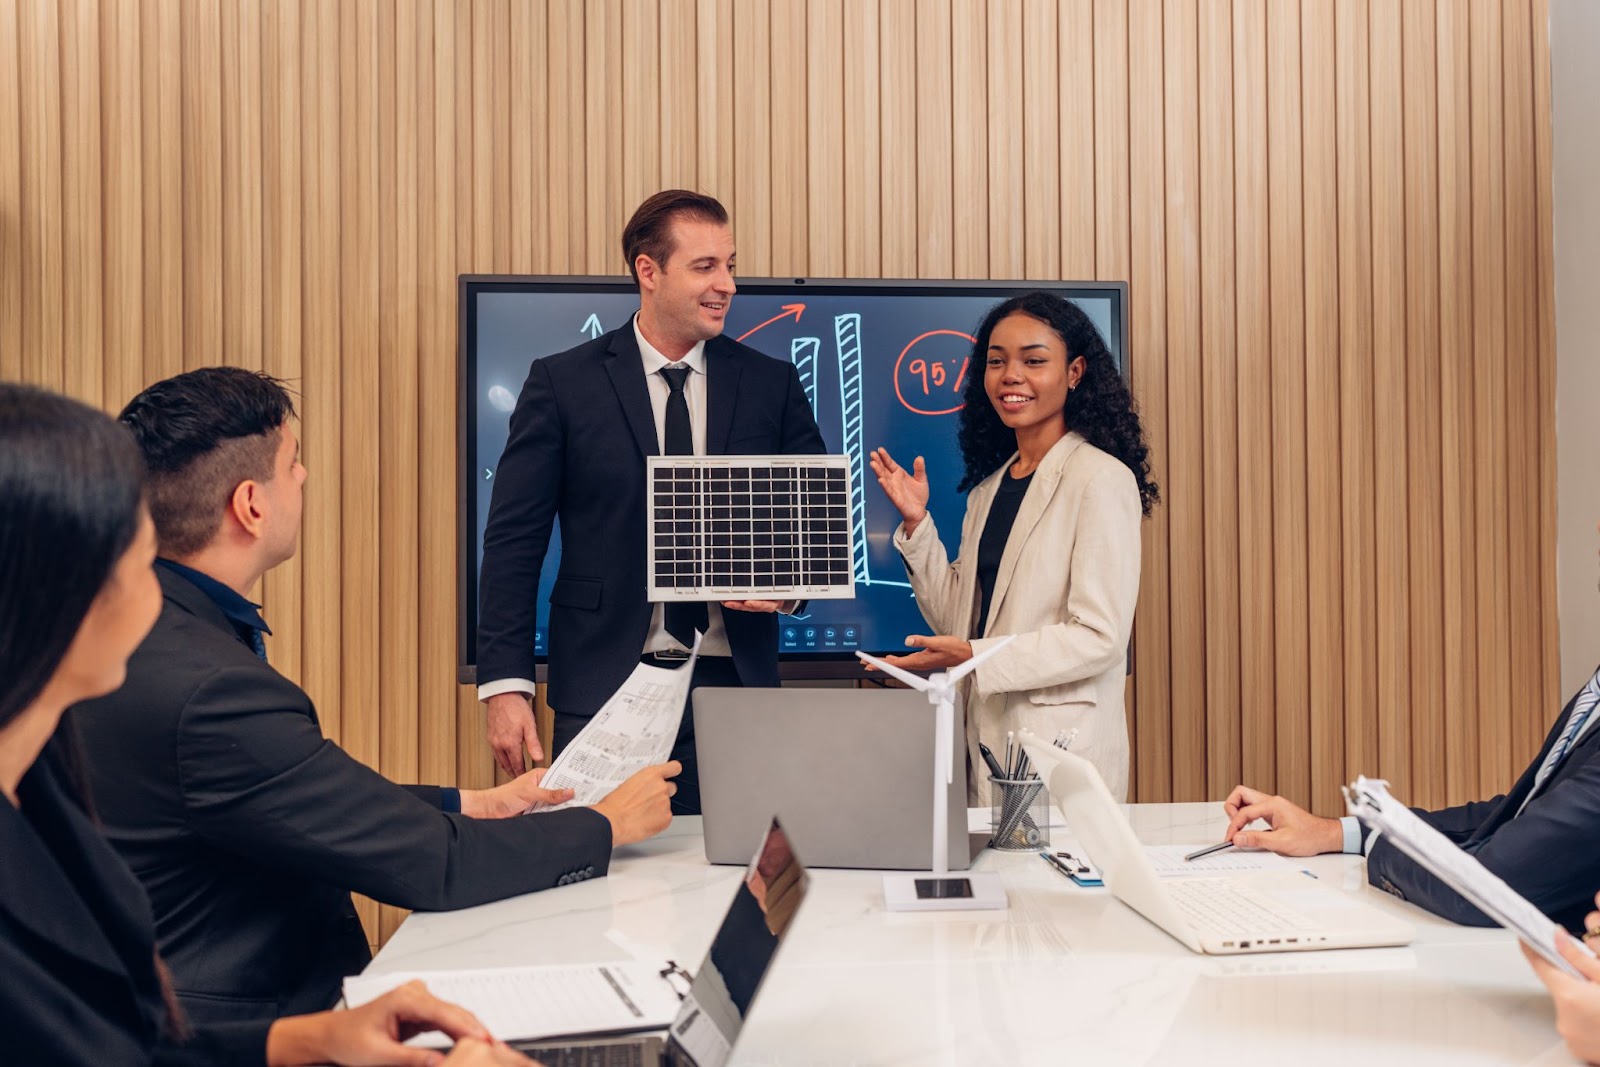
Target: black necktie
{"points": [[682, 619]]}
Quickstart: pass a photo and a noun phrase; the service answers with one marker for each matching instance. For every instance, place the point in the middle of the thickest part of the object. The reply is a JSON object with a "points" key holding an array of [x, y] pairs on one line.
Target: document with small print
{"points": [[1168, 861], [633, 730], [528, 1003]]}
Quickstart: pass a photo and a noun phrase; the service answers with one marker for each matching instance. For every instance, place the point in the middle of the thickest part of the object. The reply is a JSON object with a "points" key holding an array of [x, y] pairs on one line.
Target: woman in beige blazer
{"points": [[1057, 464]]}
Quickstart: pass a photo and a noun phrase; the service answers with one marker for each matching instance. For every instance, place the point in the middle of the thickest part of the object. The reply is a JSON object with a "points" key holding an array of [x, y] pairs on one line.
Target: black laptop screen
{"points": [[741, 955]]}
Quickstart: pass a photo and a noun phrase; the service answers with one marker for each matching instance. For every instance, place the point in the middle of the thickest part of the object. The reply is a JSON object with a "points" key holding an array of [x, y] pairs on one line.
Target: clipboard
{"points": [[1368, 800]]}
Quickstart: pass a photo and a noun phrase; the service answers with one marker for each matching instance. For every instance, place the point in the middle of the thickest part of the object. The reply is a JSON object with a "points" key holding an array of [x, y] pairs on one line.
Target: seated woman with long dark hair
{"points": [[1059, 477], [83, 983]]}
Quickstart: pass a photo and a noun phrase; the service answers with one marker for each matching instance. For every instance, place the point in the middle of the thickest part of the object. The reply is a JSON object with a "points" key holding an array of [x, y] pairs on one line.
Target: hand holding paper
{"points": [[633, 730], [1577, 1000]]}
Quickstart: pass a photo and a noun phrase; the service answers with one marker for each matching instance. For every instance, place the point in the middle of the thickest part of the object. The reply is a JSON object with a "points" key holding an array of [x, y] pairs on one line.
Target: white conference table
{"points": [[1065, 975]]}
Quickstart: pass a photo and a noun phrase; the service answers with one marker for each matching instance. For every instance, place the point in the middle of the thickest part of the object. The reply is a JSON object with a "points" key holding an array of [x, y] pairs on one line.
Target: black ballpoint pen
{"points": [[1208, 850], [988, 758]]}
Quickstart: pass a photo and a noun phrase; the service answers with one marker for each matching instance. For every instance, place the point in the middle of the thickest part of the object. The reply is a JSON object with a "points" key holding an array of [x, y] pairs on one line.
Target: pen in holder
{"points": [[1019, 814]]}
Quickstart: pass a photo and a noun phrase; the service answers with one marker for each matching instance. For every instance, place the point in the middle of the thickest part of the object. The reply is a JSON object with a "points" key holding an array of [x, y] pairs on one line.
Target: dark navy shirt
{"points": [[244, 615]]}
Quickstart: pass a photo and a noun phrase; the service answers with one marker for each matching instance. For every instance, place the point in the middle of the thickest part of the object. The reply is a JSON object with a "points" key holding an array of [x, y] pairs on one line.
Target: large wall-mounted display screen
{"points": [[883, 362]]}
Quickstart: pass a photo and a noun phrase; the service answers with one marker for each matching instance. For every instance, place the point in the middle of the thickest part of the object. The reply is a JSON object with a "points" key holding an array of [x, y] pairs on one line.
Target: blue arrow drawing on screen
{"points": [[592, 327]]}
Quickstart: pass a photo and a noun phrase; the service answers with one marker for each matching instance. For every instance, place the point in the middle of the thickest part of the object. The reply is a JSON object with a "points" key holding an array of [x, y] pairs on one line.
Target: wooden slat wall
{"points": [[1335, 216]]}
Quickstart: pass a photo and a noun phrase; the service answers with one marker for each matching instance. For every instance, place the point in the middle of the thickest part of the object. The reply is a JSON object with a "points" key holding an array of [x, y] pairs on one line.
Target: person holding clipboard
{"points": [[1058, 470], [1577, 1000]]}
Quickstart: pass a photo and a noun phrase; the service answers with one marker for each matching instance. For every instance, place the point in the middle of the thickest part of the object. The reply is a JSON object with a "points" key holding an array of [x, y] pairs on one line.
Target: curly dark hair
{"points": [[1100, 409]]}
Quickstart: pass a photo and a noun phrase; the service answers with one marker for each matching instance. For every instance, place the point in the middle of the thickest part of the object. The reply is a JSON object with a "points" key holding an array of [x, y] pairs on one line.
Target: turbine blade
{"points": [[915, 681]]}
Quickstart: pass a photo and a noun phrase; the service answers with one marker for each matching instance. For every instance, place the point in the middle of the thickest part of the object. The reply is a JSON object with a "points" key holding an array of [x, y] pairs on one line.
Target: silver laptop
{"points": [[1254, 912], [850, 772], [718, 1000]]}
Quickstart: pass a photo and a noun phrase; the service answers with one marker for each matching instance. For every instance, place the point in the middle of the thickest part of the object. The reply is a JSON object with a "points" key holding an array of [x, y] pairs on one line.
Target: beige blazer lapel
{"points": [[1034, 502]]}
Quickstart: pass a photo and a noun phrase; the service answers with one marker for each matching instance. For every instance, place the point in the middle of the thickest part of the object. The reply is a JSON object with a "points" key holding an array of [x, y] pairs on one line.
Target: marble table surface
{"points": [[1065, 975]]}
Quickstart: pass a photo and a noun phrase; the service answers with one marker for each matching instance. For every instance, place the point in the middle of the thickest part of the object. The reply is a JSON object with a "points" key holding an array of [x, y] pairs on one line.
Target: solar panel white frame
{"points": [[749, 528]]}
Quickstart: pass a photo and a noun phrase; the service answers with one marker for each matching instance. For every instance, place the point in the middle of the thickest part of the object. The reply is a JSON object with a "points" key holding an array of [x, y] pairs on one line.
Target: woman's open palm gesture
{"points": [[906, 490]]}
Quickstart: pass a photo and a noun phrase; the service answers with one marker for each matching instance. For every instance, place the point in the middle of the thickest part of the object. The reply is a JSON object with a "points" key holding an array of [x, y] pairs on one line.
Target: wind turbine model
{"points": [[939, 890]]}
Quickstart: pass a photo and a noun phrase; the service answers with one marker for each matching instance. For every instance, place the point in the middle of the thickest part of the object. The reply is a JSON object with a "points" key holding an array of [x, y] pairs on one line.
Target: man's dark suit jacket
{"points": [[579, 437], [1550, 853], [250, 830], [77, 944]]}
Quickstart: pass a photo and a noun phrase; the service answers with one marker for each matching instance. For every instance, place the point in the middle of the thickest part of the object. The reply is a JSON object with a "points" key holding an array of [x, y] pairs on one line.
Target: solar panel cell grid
{"points": [[740, 527]]}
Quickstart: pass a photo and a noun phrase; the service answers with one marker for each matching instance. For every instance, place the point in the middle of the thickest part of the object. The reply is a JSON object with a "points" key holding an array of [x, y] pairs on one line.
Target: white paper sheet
{"points": [[1169, 862], [527, 1003], [1369, 800], [633, 730]]}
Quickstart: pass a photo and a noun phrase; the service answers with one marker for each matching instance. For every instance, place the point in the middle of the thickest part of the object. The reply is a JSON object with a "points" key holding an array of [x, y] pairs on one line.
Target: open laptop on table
{"points": [[1255, 912], [719, 997], [848, 769]]}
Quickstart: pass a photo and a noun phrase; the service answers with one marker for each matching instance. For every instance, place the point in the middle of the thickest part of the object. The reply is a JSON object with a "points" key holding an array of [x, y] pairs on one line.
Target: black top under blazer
{"points": [[250, 830], [1547, 853], [576, 452], [77, 944]]}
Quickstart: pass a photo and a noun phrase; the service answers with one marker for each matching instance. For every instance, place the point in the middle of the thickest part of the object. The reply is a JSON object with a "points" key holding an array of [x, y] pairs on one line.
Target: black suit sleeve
{"points": [[259, 779], [1462, 821], [1541, 853], [431, 795], [241, 1044], [522, 512]]}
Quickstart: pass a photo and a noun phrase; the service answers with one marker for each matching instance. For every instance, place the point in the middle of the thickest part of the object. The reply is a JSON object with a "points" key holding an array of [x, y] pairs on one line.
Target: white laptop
{"points": [[1247, 912]]}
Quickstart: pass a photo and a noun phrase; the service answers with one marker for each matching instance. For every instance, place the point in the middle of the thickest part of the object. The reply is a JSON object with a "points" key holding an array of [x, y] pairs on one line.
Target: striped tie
{"points": [[1582, 711]]}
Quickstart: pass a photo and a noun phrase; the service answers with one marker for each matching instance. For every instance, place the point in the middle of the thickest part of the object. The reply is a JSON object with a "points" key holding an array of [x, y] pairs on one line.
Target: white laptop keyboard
{"points": [[1224, 908]]}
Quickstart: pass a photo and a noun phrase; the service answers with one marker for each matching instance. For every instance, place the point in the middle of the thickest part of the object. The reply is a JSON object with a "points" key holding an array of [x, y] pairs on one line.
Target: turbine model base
{"points": [[962, 891]]}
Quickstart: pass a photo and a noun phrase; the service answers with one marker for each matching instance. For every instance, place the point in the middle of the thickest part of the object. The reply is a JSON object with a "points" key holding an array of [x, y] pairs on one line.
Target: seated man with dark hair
{"points": [[248, 828], [1538, 837]]}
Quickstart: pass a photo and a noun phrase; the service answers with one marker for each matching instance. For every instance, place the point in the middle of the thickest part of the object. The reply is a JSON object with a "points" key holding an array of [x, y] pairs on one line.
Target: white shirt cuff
{"points": [[1353, 844], [506, 685], [1352, 835]]}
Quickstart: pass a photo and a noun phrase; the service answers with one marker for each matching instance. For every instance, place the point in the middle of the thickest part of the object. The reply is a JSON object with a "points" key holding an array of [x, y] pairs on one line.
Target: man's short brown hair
{"points": [[202, 433], [649, 232]]}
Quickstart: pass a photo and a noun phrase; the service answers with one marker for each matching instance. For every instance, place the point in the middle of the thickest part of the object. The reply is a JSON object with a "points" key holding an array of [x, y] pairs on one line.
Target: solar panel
{"points": [[750, 528]]}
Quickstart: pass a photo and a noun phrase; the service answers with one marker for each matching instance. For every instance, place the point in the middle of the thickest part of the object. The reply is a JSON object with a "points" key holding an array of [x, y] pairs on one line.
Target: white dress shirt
{"points": [[715, 640]]}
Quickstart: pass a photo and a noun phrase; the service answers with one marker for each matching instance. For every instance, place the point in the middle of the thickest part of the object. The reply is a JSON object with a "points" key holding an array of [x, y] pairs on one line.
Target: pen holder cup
{"points": [[1019, 815]]}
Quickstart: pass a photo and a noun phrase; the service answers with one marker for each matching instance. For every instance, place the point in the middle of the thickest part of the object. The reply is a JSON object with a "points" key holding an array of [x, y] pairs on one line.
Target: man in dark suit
{"points": [[248, 828], [667, 382], [1539, 837]]}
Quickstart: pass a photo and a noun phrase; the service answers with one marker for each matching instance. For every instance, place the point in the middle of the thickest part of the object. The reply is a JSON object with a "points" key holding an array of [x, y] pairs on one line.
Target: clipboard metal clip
{"points": [[1359, 798], [679, 979]]}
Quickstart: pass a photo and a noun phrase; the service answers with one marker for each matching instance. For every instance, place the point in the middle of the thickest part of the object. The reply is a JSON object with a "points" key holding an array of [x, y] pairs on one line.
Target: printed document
{"points": [[1169, 862], [1369, 800], [633, 730], [528, 1003]]}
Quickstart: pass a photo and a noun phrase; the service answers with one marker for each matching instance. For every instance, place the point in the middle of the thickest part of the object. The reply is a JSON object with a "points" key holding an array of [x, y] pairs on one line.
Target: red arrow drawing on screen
{"points": [[788, 309]]}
